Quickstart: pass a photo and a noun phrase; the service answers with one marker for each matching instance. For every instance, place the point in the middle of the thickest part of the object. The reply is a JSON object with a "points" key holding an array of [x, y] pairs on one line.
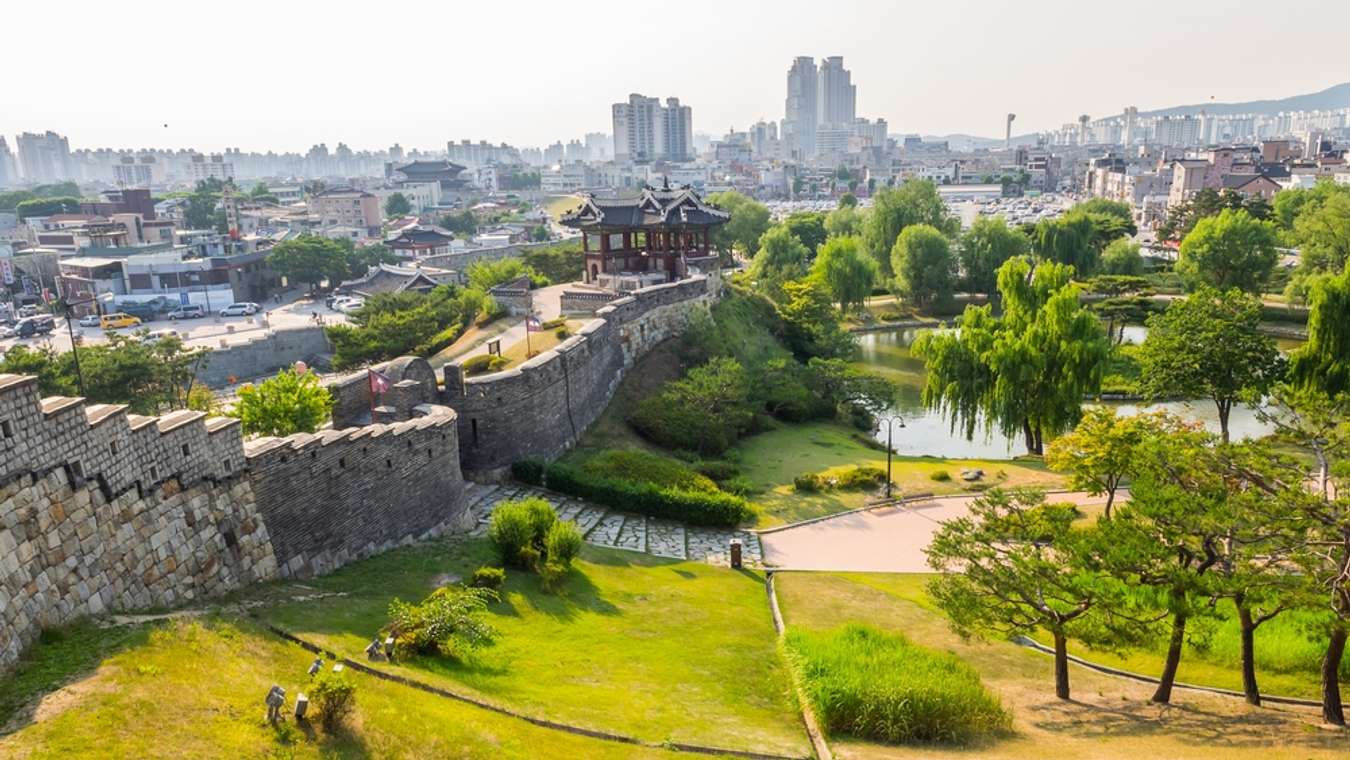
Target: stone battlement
{"points": [[105, 510]]}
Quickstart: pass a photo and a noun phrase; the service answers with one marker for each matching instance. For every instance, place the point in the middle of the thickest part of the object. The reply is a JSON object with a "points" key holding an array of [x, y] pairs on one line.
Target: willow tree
{"points": [[1323, 362], [1026, 371]]}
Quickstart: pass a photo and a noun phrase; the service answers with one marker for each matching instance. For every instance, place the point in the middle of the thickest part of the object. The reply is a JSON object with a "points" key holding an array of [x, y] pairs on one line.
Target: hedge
{"points": [[692, 507]]}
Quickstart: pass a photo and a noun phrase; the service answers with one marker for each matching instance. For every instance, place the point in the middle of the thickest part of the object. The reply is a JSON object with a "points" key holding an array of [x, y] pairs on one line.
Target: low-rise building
{"points": [[346, 207]]}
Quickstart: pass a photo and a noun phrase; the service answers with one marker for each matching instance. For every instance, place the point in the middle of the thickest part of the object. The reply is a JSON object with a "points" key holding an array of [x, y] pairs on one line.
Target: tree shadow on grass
{"points": [[1189, 723], [61, 656]]}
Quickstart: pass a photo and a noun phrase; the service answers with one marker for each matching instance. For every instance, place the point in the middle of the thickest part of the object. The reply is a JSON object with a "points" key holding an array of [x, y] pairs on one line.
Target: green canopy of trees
{"points": [[291, 402], [312, 260], [397, 204], [846, 270], [808, 227], [924, 265], [1182, 217], [1026, 371], [391, 325], [782, 256], [1231, 249], [1122, 258], [845, 221], [749, 220], [1323, 363], [893, 209], [150, 377], [984, 247]]}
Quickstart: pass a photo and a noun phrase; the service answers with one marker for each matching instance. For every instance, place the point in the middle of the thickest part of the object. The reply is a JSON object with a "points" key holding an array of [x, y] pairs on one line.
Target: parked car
{"points": [[241, 309], [89, 320], [188, 311], [157, 335], [118, 320], [142, 311], [349, 305], [41, 324], [28, 310]]}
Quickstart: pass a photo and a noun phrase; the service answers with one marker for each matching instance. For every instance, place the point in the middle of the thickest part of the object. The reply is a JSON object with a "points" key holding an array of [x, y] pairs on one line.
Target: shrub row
{"points": [[858, 476], [484, 363], [693, 507]]}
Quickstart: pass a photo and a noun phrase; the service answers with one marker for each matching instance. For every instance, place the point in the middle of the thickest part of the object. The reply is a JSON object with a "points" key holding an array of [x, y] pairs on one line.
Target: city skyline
{"points": [[924, 70]]}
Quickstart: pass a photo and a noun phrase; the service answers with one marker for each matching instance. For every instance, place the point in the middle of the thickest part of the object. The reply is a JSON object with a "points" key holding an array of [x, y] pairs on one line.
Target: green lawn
{"points": [[770, 460], [1108, 717], [194, 690], [660, 649]]}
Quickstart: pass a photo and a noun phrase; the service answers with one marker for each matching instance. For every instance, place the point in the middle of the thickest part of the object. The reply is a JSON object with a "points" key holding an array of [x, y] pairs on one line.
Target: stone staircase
{"points": [[621, 530]]}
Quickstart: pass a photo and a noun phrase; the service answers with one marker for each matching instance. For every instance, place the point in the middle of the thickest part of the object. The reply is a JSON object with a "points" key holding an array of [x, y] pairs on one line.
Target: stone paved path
{"points": [[623, 530]]}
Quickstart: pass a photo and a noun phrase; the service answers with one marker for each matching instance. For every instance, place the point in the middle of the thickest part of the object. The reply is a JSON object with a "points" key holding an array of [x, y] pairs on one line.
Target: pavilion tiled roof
{"points": [[666, 207]]}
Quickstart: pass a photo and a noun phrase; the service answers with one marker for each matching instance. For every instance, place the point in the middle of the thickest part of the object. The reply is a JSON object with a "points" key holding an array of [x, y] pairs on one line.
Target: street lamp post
{"points": [[70, 330], [890, 420]]}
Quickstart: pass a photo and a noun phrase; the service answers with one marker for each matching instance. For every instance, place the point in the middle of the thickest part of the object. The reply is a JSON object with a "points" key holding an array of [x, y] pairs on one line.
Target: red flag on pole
{"points": [[379, 383]]}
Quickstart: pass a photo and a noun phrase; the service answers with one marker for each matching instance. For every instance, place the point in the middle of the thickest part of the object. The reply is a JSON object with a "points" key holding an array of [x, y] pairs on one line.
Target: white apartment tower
{"points": [[44, 157], [645, 130], [800, 116], [838, 97]]}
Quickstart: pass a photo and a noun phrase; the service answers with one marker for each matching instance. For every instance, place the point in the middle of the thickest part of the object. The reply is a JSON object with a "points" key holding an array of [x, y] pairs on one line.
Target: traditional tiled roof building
{"points": [[661, 235]]}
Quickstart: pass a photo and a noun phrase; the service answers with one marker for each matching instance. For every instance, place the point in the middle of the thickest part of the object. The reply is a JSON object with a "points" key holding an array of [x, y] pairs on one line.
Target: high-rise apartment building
{"points": [[837, 101], [645, 130], [44, 157], [800, 116], [9, 171]]}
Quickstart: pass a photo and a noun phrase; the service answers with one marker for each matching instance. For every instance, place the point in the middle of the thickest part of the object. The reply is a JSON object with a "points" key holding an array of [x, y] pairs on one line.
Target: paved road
{"points": [[887, 540]]}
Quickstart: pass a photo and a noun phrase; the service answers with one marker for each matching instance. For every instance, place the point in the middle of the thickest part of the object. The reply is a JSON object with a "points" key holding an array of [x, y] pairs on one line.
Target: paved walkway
{"points": [[883, 540], [622, 530]]}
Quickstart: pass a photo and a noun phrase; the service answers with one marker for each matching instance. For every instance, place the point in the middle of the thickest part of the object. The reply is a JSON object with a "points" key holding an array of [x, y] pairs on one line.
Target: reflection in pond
{"points": [[926, 432]]}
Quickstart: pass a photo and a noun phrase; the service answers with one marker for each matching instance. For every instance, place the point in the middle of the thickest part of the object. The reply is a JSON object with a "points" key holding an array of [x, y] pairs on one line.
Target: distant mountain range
{"points": [[1337, 96]]}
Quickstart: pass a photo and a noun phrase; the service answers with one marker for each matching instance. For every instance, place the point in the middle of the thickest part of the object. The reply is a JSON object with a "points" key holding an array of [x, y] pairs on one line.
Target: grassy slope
{"points": [[1108, 718], [194, 690], [655, 648], [770, 461]]}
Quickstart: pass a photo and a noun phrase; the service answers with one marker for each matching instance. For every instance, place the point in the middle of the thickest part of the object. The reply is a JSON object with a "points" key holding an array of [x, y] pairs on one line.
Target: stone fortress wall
{"points": [[540, 408], [103, 510]]}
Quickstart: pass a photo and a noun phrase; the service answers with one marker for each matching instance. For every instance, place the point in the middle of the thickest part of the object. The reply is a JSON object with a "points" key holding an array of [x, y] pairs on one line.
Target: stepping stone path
{"points": [[622, 530]]}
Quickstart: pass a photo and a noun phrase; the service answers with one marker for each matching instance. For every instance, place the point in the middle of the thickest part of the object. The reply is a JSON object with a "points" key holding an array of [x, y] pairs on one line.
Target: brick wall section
{"points": [[103, 510], [266, 355], [585, 301], [340, 495]]}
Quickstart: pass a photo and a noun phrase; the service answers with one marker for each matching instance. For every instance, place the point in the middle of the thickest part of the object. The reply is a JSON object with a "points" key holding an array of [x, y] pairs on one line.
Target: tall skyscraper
{"points": [[645, 130], [44, 157], [9, 171], [838, 97], [800, 115]]}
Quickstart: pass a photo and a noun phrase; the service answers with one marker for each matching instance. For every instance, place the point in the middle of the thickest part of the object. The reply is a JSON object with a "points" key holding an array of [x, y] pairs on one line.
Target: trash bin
{"points": [[735, 554]]}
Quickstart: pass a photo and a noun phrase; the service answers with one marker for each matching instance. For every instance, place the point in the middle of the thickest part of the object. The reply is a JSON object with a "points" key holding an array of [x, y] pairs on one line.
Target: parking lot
{"points": [[211, 331]]}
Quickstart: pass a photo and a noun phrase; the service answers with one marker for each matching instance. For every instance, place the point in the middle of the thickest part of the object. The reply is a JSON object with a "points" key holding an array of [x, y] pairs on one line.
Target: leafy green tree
{"points": [[782, 256], [749, 221], [462, 223], [47, 207], [559, 263], [486, 275], [845, 221], [311, 259], [848, 200], [1183, 217], [1322, 232], [361, 259], [893, 209], [704, 412], [846, 270], [200, 212], [924, 265], [1118, 209], [808, 227], [1323, 363], [1230, 250], [1208, 345], [1026, 371], [291, 402], [10, 199], [397, 205], [398, 324], [1122, 257], [984, 247], [150, 377], [1069, 239], [1102, 451], [1012, 566], [811, 326]]}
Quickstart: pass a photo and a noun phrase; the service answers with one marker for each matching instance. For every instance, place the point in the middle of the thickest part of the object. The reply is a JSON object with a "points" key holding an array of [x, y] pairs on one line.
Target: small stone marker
{"points": [[301, 706], [373, 649], [315, 667], [276, 699], [389, 647], [735, 554], [338, 668]]}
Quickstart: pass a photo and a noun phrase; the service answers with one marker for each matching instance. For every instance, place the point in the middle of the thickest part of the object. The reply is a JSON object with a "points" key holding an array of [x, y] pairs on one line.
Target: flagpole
{"points": [[529, 314], [370, 386]]}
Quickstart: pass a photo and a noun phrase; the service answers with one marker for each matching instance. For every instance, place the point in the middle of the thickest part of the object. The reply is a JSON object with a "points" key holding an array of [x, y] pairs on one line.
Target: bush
{"points": [[693, 507], [717, 470], [941, 476], [808, 483], [518, 528], [554, 324], [562, 545], [528, 471], [861, 476], [483, 364], [879, 686], [645, 467], [488, 577], [334, 698], [448, 622], [562, 333]]}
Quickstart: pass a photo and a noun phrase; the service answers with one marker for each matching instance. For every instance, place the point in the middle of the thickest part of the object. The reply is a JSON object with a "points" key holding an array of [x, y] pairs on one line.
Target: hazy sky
{"points": [[284, 75]]}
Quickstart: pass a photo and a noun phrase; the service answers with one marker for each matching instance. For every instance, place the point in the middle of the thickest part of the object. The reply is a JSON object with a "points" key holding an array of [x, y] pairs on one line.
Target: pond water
{"points": [[927, 432]]}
